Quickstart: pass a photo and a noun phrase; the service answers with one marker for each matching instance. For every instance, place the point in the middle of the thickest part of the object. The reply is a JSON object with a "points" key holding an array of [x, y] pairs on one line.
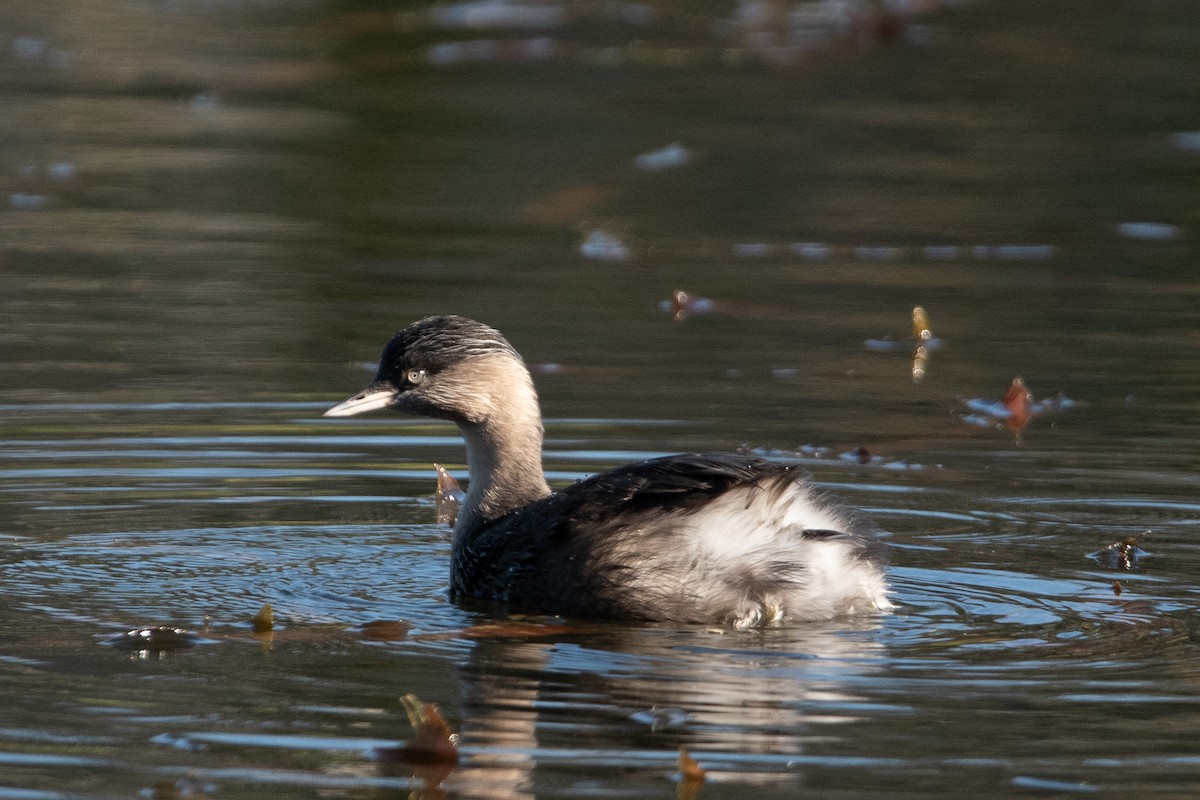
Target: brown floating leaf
{"points": [[691, 776], [1019, 402], [385, 630], [432, 754], [923, 336], [682, 304], [1124, 554], [689, 769], [435, 741], [264, 620], [1016, 410], [449, 496]]}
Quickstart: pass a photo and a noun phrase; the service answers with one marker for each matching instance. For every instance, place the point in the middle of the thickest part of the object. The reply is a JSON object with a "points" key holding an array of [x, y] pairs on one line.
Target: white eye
{"points": [[414, 376]]}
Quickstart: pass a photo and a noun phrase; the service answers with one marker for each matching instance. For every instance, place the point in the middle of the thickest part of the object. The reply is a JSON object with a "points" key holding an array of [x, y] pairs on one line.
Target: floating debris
{"points": [[385, 630], [431, 755], [264, 620], [601, 245], [672, 156], [691, 776], [1124, 554], [1019, 402], [1017, 408], [434, 742], [1150, 231], [863, 456], [682, 304], [923, 343], [157, 639], [449, 496], [926, 343]]}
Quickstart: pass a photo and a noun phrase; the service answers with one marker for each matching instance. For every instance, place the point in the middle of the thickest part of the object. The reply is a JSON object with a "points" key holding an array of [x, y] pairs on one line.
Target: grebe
{"points": [[708, 538]]}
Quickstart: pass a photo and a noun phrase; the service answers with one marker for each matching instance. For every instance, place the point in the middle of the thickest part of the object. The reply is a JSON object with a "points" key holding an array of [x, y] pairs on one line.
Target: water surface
{"points": [[214, 214]]}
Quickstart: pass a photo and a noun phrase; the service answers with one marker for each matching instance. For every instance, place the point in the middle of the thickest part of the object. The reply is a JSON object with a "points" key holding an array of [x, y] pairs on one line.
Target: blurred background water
{"points": [[213, 213]]}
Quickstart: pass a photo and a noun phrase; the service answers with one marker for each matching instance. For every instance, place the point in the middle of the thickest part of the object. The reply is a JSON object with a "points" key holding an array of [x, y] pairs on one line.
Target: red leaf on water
{"points": [[691, 777], [1019, 402], [434, 743]]}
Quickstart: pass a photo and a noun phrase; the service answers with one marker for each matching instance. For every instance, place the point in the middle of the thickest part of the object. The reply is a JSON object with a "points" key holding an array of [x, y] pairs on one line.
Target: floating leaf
{"points": [[435, 742], [1017, 408], [1124, 554], [385, 630], [691, 776], [433, 753], [1019, 402], [449, 496], [926, 343], [264, 620], [682, 304], [921, 330], [923, 343]]}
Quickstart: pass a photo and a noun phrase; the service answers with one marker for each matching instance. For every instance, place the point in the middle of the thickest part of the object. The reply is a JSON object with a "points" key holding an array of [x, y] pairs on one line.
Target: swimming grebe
{"points": [[712, 538]]}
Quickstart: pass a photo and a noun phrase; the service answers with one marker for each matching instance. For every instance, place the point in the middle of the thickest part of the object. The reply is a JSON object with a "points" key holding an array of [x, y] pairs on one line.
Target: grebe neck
{"points": [[504, 458]]}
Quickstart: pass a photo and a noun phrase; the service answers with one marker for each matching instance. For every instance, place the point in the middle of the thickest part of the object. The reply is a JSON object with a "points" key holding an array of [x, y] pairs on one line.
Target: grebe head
{"points": [[460, 370], [447, 367]]}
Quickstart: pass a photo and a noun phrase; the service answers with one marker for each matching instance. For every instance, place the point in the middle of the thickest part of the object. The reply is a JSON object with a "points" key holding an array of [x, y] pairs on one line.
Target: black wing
{"points": [[552, 554]]}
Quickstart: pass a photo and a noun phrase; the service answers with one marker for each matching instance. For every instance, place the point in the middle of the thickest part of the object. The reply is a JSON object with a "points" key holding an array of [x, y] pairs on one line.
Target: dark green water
{"points": [[215, 213]]}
